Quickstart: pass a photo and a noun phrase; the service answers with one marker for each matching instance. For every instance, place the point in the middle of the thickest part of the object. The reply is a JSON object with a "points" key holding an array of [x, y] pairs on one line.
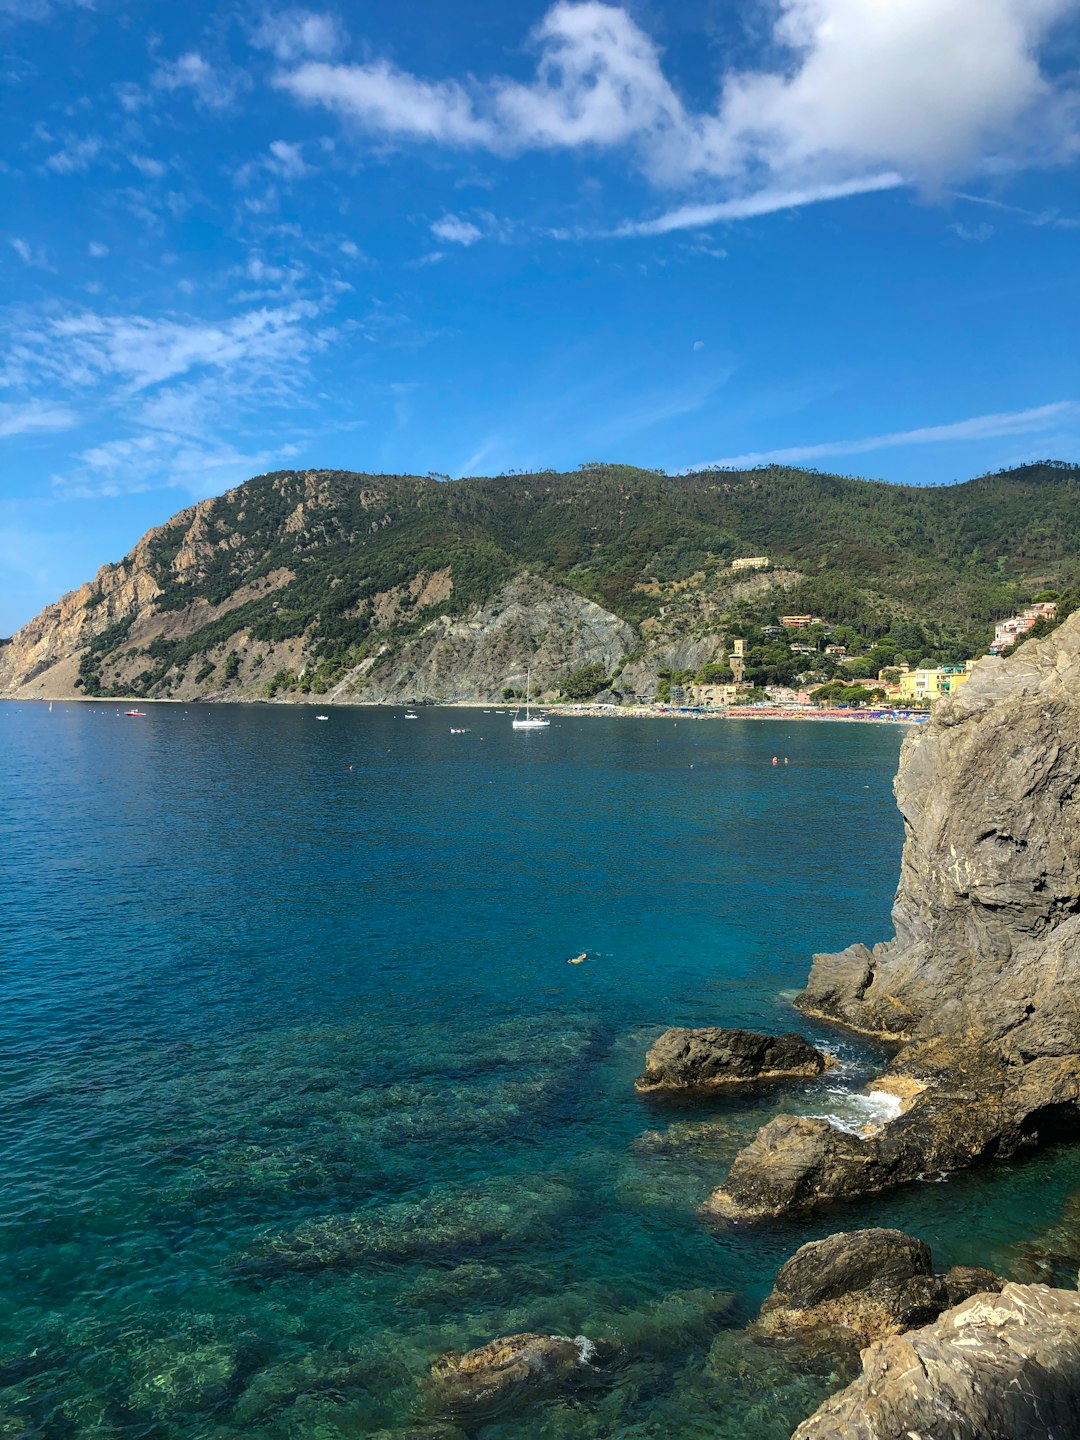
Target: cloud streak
{"points": [[979, 427]]}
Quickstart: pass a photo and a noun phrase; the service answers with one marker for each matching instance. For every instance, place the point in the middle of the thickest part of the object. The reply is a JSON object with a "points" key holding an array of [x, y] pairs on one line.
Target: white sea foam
{"points": [[586, 1349], [860, 1113]]}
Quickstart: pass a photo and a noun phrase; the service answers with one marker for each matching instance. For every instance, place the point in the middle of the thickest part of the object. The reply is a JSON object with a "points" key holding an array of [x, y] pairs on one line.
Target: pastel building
{"points": [[1007, 632]]}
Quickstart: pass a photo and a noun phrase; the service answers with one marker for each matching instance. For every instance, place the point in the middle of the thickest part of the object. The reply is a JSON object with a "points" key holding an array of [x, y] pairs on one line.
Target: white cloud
{"points": [[33, 257], [78, 153], [287, 160], [293, 34], [762, 202], [698, 345], [921, 89], [21, 419], [456, 231], [212, 88], [980, 427], [148, 166], [162, 460], [97, 250]]}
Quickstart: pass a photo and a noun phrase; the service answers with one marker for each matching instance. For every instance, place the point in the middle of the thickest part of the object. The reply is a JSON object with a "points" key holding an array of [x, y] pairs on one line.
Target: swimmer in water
{"points": [[577, 959]]}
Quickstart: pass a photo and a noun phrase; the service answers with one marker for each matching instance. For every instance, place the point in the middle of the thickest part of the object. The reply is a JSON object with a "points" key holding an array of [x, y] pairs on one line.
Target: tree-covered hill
{"points": [[338, 566]]}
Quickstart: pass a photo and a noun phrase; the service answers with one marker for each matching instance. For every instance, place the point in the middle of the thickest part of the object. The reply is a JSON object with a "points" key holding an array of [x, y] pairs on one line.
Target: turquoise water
{"points": [[299, 1091]]}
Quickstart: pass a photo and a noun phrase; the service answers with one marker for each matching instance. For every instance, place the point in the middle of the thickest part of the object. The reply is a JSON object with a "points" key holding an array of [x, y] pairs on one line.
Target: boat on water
{"points": [[410, 715], [465, 731], [530, 722], [136, 714], [322, 717]]}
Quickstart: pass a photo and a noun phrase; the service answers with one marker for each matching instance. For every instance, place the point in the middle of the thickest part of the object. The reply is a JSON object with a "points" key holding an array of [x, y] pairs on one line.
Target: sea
{"points": [[299, 1091]]}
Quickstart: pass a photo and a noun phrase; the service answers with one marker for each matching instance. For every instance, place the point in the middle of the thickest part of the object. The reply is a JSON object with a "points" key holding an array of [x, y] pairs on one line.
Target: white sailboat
{"points": [[529, 723]]}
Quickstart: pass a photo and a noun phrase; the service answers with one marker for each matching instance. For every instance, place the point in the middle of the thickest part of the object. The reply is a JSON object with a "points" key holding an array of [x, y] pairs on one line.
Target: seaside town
{"points": [[834, 684]]}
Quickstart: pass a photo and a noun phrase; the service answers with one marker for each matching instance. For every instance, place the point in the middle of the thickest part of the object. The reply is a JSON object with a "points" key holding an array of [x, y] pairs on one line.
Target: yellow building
{"points": [[923, 687]]}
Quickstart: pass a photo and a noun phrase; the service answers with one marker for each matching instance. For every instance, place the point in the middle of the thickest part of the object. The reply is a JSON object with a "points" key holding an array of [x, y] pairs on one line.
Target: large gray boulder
{"points": [[710, 1057], [997, 1367]]}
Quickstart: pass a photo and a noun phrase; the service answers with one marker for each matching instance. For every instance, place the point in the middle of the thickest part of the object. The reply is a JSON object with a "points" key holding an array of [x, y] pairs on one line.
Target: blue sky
{"points": [[486, 236]]}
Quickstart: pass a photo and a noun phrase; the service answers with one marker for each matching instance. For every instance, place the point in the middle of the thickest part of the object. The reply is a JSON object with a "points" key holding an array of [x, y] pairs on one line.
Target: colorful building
{"points": [[1007, 632], [923, 687]]}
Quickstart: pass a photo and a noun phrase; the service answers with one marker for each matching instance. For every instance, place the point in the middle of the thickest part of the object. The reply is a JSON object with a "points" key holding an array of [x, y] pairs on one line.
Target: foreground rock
{"points": [[979, 982], [998, 1367], [510, 1371], [866, 1284], [963, 1107], [710, 1057]]}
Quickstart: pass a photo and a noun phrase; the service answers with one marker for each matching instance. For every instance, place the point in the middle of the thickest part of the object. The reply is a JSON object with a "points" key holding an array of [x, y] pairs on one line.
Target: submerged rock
{"points": [[867, 1284], [511, 1370], [451, 1218], [998, 1367], [710, 1057]]}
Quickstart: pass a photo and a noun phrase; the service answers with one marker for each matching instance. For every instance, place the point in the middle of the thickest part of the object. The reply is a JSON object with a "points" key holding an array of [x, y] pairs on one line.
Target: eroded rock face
{"points": [[987, 912], [865, 1284], [707, 1058], [512, 1370], [998, 1367], [980, 979]]}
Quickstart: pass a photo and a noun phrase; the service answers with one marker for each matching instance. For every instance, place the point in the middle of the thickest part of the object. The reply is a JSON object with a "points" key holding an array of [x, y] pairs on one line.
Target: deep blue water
{"points": [[261, 973]]}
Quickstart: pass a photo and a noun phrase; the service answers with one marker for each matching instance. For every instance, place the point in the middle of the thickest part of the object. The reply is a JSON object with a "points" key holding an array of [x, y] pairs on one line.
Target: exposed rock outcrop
{"points": [[711, 1057], [865, 1284], [987, 912], [998, 1367], [980, 979]]}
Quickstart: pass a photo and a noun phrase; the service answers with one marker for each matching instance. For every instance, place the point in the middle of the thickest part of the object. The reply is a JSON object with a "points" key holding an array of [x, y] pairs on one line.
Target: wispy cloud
{"points": [[163, 461], [1051, 217], [456, 231], [764, 202], [293, 34], [212, 87], [78, 153], [32, 256], [979, 427], [34, 415], [878, 90]]}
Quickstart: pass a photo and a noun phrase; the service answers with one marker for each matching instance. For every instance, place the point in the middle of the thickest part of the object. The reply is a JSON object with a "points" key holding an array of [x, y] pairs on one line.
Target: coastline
{"points": [[554, 710]]}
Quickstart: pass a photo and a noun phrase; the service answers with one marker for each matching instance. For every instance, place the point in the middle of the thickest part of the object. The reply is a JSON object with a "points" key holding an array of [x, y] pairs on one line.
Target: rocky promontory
{"points": [[979, 982]]}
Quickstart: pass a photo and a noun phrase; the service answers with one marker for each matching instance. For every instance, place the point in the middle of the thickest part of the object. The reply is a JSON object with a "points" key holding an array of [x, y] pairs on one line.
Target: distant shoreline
{"points": [[585, 712]]}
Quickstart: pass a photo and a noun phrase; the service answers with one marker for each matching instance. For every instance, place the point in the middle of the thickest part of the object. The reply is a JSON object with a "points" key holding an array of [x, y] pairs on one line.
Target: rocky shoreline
{"points": [[977, 994]]}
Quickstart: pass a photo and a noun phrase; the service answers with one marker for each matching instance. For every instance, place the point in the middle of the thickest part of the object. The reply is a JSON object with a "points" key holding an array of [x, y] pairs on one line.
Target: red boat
{"points": [[140, 713]]}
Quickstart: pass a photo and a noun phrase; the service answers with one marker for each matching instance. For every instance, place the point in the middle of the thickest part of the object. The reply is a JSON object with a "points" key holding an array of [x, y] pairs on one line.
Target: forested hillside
{"points": [[314, 580]]}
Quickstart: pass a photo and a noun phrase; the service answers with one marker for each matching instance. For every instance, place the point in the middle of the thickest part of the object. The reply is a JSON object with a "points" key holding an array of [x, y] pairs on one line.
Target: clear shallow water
{"points": [[299, 1091]]}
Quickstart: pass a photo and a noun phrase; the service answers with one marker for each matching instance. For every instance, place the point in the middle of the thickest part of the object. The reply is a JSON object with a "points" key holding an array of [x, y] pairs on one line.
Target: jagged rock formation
{"points": [[998, 1367], [860, 1286], [980, 980], [710, 1057]]}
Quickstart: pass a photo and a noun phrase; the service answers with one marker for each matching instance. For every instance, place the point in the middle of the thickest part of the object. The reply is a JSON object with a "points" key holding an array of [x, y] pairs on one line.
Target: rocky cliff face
{"points": [[987, 911], [980, 980]]}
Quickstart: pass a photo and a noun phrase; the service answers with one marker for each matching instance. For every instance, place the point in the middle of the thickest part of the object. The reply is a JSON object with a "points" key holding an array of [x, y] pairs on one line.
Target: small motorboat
{"points": [[136, 714], [322, 717], [411, 715]]}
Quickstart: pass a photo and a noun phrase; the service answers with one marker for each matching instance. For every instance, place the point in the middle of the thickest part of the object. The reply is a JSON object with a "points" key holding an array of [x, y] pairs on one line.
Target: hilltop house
{"points": [[751, 562], [1007, 632]]}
